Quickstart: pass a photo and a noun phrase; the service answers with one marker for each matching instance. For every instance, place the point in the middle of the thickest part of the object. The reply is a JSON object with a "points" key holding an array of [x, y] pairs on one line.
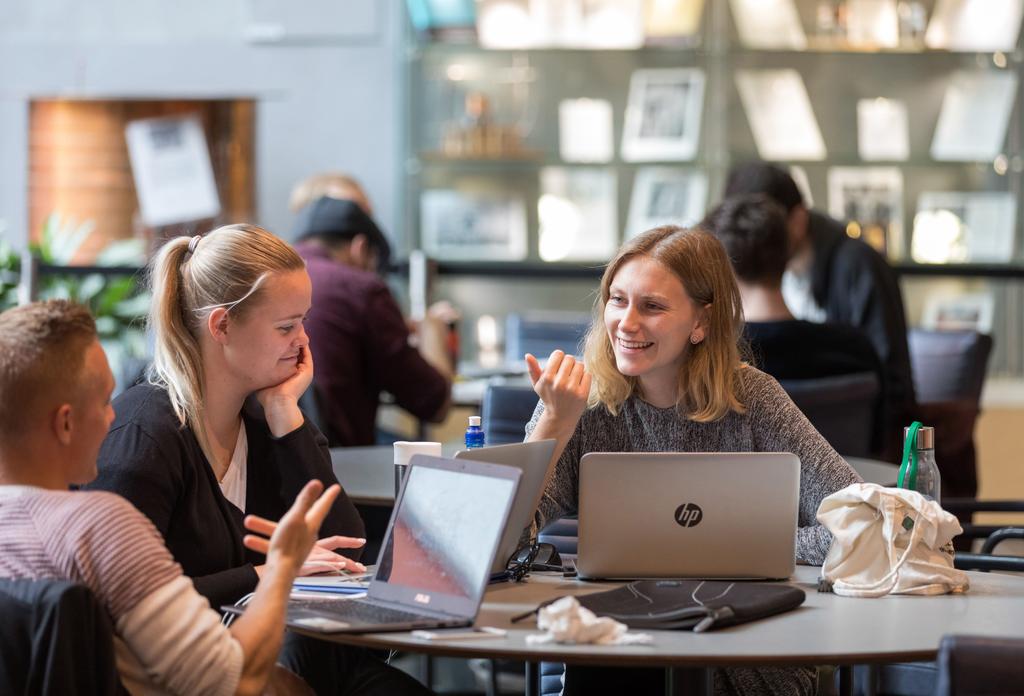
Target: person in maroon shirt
{"points": [[356, 329]]}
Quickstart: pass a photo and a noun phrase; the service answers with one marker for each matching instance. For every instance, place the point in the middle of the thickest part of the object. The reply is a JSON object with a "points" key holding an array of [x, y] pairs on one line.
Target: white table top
{"points": [[826, 629]]}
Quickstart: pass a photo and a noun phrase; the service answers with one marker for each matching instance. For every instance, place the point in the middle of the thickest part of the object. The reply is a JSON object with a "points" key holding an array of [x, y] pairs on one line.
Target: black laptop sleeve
{"points": [[697, 605]]}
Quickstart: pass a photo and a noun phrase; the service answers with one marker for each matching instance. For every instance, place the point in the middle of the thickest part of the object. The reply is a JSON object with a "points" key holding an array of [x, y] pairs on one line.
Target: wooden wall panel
{"points": [[79, 165]]}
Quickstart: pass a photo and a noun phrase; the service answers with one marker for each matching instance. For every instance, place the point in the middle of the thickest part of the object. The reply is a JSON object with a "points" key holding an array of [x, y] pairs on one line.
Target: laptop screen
{"points": [[444, 534]]}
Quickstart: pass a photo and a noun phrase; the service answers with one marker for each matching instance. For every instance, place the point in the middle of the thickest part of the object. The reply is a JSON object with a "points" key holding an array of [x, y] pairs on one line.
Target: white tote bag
{"points": [[889, 541]]}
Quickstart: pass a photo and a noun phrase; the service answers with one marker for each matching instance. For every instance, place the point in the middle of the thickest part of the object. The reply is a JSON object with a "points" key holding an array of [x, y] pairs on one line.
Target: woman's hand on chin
{"points": [[563, 385], [281, 401]]}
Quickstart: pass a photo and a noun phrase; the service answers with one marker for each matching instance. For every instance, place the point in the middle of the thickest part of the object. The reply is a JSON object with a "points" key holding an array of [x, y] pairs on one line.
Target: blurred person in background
{"points": [[363, 344], [833, 277]]}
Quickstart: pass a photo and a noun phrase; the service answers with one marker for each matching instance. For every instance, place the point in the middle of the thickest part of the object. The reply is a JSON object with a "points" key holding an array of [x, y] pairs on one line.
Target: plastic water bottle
{"points": [[919, 471], [474, 433]]}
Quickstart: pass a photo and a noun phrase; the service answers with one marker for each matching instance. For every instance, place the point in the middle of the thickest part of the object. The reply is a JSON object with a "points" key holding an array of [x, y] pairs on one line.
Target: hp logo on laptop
{"points": [[689, 515]]}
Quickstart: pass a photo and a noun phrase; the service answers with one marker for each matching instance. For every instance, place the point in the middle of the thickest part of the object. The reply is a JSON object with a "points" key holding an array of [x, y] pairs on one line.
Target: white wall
{"points": [[329, 101]]}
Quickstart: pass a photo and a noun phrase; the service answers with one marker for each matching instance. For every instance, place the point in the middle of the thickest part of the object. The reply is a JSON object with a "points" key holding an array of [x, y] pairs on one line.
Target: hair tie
{"points": [[193, 243]]}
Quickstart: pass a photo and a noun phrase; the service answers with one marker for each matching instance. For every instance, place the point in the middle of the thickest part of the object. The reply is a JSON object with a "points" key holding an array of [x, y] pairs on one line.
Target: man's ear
{"points": [[62, 427], [359, 250], [217, 324]]}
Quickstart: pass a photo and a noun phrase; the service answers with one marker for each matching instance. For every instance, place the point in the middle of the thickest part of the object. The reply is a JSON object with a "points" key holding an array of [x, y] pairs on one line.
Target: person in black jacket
{"points": [[218, 434], [833, 277], [752, 229]]}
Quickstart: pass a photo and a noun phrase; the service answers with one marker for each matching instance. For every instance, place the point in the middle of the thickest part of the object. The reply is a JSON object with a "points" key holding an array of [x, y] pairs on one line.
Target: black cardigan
{"points": [[156, 464]]}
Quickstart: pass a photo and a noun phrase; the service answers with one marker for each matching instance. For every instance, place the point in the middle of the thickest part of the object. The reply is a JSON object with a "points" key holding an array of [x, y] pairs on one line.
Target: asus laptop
{"points": [[534, 460], [676, 515], [435, 562]]}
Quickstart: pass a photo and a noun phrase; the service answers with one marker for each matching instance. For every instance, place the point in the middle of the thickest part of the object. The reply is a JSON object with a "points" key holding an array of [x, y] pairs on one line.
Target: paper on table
{"points": [[882, 129], [975, 111], [772, 24], [975, 25], [585, 130], [780, 115]]}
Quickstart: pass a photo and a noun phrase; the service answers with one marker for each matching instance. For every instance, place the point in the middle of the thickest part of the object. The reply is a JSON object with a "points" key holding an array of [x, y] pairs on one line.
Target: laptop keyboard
{"points": [[356, 611]]}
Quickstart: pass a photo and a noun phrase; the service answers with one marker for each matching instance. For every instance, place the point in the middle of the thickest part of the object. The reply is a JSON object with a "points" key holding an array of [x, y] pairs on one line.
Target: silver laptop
{"points": [[534, 460], [676, 515], [435, 561]]}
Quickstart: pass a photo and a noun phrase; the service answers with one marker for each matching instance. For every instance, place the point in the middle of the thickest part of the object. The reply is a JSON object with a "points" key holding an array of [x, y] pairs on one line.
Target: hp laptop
{"points": [[674, 515], [534, 460], [435, 562]]}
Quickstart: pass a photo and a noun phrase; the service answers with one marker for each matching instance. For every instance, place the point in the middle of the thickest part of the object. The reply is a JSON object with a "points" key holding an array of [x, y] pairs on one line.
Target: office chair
{"points": [[542, 332], [844, 409], [979, 666], [948, 365], [949, 373], [505, 411], [55, 640]]}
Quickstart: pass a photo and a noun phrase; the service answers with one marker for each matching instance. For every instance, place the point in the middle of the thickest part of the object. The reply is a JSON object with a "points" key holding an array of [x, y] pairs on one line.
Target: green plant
{"points": [[10, 267], [119, 302]]}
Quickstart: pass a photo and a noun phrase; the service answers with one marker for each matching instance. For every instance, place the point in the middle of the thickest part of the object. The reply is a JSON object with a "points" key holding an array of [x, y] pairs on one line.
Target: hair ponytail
{"points": [[226, 268], [177, 363]]}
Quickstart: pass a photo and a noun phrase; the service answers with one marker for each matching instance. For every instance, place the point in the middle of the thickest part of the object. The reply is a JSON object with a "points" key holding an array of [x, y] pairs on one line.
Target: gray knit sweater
{"points": [[772, 423]]}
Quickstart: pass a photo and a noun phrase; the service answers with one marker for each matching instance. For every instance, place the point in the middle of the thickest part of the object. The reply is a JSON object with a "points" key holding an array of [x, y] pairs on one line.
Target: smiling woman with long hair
{"points": [[217, 432], [662, 372]]}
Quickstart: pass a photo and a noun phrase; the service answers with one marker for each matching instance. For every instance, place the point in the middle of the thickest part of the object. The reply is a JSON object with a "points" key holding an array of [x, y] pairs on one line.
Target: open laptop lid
{"points": [[705, 515], [443, 535], [534, 460]]}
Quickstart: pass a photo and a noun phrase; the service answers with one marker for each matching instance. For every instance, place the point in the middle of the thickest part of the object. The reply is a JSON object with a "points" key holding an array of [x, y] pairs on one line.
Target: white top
{"points": [[233, 483]]}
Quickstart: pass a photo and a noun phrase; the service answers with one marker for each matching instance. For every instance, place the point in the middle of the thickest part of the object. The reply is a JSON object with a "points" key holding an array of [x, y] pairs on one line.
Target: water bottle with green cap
{"points": [[919, 472]]}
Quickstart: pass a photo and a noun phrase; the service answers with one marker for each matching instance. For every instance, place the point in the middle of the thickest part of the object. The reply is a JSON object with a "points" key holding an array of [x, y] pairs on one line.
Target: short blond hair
{"points": [[330, 184], [710, 378], [42, 354]]}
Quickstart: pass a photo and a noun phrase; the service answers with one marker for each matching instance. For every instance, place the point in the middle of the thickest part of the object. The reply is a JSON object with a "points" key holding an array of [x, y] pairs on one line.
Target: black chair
{"points": [[55, 640], [948, 365], [977, 666], [542, 332], [949, 373], [844, 409], [505, 411]]}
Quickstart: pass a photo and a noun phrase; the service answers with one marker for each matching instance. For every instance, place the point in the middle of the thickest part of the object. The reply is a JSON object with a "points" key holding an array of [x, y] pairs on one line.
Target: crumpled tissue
{"points": [[566, 621]]}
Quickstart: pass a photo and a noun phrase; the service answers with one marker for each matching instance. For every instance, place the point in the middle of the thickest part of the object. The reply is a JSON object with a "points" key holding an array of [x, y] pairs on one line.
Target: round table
{"points": [[826, 630]]}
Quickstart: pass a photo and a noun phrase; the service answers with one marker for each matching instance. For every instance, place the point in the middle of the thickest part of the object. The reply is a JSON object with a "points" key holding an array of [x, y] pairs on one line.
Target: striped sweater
{"points": [[167, 639]]}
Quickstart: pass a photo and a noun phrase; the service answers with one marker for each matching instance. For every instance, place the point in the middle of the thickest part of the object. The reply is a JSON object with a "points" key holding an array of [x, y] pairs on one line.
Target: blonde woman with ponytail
{"points": [[662, 372], [217, 434]]}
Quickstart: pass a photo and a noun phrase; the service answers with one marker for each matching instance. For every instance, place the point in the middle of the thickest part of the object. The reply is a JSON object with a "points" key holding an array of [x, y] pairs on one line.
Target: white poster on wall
{"points": [[585, 130], [975, 25], [666, 196], [975, 112], [882, 132], [577, 214], [172, 171], [780, 115]]}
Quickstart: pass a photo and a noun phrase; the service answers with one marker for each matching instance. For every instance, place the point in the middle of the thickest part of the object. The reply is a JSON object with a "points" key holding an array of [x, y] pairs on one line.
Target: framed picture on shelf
{"points": [[472, 225], [870, 201], [964, 227], [577, 213], [663, 115], [666, 196], [967, 312]]}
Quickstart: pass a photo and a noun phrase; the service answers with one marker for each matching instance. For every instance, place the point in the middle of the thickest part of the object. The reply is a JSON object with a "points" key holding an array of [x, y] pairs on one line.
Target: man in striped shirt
{"points": [[55, 388]]}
